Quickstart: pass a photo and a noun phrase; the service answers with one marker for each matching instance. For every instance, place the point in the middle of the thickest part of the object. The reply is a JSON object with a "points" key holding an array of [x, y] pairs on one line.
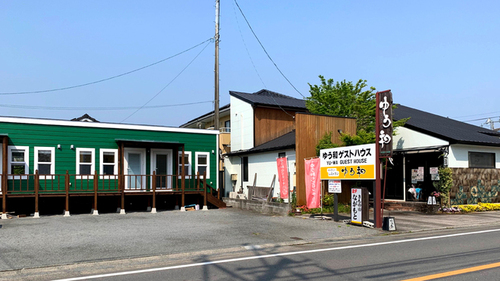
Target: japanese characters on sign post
{"points": [[313, 183], [283, 177], [349, 162], [356, 206], [384, 112]]}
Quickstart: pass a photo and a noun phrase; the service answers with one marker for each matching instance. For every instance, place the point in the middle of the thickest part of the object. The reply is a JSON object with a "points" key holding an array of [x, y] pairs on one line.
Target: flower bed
{"points": [[480, 207]]}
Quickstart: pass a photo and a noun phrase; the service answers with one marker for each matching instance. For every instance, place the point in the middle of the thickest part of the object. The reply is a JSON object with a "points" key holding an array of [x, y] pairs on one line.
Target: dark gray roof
{"points": [[447, 129], [283, 142], [269, 98], [85, 118]]}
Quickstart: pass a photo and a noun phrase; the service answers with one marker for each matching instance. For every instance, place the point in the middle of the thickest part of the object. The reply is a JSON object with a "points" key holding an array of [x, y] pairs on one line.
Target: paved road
{"points": [[142, 239], [383, 258]]}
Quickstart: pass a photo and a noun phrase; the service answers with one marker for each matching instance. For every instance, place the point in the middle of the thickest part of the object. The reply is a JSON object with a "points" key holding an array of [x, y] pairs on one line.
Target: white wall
{"points": [[242, 124], [458, 156], [407, 139], [264, 164]]}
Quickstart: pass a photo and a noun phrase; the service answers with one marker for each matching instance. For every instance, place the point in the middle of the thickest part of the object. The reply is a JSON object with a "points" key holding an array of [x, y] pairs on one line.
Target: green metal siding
{"points": [[34, 135]]}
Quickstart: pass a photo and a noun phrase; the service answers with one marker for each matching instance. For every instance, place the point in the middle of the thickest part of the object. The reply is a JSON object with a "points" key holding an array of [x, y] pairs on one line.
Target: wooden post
{"points": [[183, 181], [96, 185], [5, 142], [37, 214], [153, 182], [121, 176], [205, 207], [198, 180], [377, 214], [66, 187]]}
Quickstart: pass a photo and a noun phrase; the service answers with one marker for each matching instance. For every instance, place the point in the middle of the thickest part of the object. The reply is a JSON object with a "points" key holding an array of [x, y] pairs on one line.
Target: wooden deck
{"points": [[66, 185]]}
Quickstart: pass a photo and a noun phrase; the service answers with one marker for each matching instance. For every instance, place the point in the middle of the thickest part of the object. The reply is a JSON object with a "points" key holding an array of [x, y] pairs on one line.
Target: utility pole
{"points": [[216, 102]]}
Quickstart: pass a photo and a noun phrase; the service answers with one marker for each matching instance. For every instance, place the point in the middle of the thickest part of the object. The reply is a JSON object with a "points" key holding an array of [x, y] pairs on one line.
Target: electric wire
{"points": [[99, 108], [495, 112], [171, 81], [271, 95], [248, 52], [105, 79], [265, 51]]}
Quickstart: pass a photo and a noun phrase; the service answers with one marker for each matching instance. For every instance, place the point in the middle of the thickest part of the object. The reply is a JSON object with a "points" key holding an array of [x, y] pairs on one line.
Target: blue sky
{"points": [[438, 56]]}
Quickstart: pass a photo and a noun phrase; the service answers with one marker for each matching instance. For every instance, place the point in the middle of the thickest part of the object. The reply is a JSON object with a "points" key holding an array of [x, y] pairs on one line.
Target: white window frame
{"points": [[26, 161], [186, 165], [142, 152], [52, 161], [196, 154], [152, 166], [92, 164], [101, 163]]}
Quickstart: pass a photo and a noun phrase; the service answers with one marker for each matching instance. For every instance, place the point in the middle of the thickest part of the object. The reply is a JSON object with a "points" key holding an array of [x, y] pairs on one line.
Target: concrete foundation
{"points": [[270, 208]]}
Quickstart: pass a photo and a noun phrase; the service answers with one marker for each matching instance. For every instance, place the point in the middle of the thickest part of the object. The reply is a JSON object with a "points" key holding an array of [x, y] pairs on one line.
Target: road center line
{"points": [[274, 255], [455, 272]]}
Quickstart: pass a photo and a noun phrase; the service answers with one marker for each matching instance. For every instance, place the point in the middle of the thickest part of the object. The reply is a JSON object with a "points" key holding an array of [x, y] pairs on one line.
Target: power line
{"points": [[99, 108], [477, 115], [105, 79], [171, 81], [248, 53], [265, 51]]}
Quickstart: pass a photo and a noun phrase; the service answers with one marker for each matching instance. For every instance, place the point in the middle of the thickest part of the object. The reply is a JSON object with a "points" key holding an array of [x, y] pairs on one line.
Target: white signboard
{"points": [[348, 162], [356, 206], [334, 186]]}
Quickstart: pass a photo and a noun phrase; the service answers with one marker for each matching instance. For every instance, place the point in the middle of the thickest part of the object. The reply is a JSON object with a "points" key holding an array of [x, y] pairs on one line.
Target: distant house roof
{"points": [[447, 129], [269, 98], [211, 113], [285, 141], [85, 118]]}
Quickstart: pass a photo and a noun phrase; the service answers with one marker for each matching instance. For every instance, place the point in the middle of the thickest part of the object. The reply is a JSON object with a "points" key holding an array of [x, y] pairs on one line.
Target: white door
{"points": [[135, 168], [161, 163]]}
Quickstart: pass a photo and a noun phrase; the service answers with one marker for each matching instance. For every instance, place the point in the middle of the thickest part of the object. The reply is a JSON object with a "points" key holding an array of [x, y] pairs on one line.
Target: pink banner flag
{"points": [[283, 177], [313, 184]]}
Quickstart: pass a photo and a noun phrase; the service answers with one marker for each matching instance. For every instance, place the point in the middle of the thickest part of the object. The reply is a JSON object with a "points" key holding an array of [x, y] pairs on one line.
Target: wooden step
{"points": [[216, 201]]}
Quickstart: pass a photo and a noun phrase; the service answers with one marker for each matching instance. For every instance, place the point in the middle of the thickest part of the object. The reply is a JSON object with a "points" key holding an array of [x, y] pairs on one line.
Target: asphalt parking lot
{"points": [[57, 240]]}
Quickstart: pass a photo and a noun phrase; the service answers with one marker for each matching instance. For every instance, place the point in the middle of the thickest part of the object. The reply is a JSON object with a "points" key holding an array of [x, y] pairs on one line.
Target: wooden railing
{"points": [[72, 183]]}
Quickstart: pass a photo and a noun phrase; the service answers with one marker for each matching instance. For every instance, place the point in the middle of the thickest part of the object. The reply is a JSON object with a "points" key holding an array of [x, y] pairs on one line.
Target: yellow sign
{"points": [[348, 172], [350, 162]]}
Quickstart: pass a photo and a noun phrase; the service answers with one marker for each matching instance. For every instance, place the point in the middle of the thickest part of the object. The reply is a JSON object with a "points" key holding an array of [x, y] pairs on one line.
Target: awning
{"points": [[149, 143], [427, 149]]}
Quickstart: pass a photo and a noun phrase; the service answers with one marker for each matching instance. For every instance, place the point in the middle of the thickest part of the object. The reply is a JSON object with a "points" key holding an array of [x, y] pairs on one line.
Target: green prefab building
{"points": [[94, 162]]}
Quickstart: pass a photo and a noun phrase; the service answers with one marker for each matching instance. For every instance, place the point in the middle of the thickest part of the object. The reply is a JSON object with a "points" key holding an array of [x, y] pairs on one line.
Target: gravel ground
{"points": [[57, 240]]}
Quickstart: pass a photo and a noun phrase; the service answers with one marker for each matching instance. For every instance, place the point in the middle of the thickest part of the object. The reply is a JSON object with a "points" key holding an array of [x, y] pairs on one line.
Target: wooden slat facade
{"points": [[271, 123], [309, 130]]}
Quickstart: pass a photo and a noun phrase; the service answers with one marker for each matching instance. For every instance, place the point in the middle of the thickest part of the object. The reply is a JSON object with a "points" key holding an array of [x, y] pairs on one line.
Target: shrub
{"points": [[444, 184]]}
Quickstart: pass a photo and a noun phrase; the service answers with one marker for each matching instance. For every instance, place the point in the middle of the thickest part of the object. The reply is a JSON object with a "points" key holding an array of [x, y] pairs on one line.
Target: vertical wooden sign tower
{"points": [[383, 134]]}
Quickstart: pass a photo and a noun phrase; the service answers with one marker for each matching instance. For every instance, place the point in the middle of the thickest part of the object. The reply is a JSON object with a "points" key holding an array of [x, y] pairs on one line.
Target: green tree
{"points": [[346, 99]]}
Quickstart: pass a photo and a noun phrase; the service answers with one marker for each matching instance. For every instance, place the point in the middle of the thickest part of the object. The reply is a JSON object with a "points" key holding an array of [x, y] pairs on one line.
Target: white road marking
{"points": [[273, 255]]}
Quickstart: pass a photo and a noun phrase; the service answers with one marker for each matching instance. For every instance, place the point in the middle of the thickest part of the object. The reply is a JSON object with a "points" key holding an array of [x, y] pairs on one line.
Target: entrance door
{"points": [[135, 168], [161, 163]]}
